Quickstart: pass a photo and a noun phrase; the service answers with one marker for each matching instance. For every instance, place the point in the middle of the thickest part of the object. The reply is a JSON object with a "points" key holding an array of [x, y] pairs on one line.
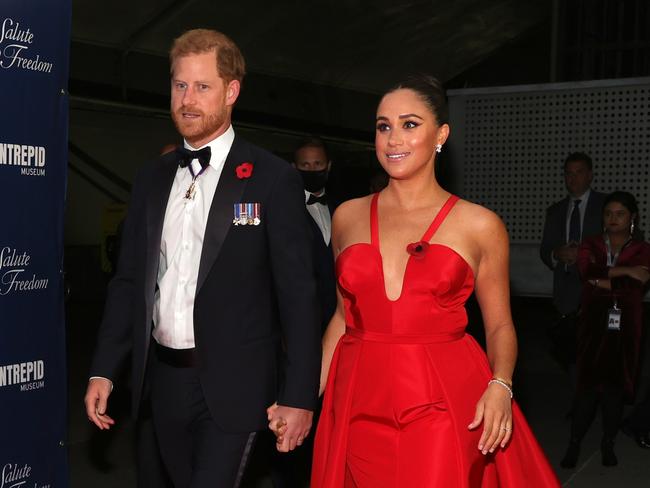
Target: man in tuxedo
{"points": [[312, 162], [215, 272], [568, 221]]}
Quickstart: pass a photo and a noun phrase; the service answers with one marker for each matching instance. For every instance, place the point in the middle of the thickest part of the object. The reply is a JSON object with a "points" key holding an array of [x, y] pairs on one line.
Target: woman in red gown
{"points": [[412, 401]]}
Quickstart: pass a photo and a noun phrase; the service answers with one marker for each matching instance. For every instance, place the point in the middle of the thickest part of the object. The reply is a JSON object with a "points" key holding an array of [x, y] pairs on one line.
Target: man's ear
{"points": [[232, 92]]}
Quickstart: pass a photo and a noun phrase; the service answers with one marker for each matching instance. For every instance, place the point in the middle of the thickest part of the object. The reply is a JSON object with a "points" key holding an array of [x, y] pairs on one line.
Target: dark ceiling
{"points": [[312, 65], [352, 44]]}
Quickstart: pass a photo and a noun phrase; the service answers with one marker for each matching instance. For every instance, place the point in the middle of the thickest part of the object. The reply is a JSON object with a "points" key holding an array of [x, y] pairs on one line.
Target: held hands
{"points": [[96, 401], [494, 410], [290, 425]]}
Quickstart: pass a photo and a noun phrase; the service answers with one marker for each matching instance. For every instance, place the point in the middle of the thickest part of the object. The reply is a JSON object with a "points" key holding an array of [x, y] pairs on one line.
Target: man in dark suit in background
{"points": [[313, 163], [215, 272], [568, 221]]}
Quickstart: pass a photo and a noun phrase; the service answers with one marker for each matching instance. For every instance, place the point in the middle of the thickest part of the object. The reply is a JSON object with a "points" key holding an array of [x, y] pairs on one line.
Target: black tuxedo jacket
{"points": [[566, 281], [325, 272], [255, 289]]}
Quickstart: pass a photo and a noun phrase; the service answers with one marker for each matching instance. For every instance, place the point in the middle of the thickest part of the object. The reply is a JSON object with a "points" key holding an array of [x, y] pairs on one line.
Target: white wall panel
{"points": [[508, 146]]}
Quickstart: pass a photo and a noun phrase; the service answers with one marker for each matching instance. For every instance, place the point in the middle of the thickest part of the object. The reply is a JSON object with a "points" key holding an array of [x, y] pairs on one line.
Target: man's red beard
{"points": [[199, 128]]}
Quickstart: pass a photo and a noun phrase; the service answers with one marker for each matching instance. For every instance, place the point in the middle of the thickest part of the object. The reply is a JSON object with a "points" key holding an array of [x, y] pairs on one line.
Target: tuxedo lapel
{"points": [[562, 216], [229, 191], [156, 204]]}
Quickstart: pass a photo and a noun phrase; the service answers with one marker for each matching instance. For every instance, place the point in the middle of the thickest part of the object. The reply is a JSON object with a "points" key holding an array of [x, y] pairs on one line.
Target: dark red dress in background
{"points": [[405, 379], [609, 358]]}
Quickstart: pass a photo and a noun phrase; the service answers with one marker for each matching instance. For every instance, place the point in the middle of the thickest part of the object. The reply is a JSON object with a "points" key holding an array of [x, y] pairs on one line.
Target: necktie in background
{"points": [[575, 230]]}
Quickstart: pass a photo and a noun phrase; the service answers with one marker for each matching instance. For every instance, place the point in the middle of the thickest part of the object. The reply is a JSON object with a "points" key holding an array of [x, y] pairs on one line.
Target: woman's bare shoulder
{"points": [[347, 224], [350, 210], [478, 215]]}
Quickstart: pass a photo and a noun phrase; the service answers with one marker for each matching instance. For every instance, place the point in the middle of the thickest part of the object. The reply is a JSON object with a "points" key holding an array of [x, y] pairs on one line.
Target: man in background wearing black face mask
{"points": [[311, 160], [291, 470]]}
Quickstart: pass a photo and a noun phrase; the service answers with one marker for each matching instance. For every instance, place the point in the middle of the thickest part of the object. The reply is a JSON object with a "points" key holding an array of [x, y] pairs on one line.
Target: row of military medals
{"points": [[246, 214]]}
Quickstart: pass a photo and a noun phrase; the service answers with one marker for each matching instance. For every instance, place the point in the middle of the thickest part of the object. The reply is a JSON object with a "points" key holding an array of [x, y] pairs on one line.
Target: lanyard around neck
{"points": [[612, 258]]}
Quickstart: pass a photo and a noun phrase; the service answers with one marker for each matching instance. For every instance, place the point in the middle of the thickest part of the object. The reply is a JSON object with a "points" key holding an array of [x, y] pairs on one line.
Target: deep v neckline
{"points": [[426, 237]]}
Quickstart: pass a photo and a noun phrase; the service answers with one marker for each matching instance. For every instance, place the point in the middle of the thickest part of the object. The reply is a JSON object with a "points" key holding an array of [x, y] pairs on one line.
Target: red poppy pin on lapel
{"points": [[244, 171]]}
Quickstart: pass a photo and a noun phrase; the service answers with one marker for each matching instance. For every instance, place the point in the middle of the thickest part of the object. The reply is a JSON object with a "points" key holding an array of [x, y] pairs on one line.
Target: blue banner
{"points": [[34, 56]]}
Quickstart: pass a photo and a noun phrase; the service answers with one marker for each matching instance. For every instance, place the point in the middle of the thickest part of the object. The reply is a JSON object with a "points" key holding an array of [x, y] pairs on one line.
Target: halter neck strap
{"points": [[437, 221], [374, 221]]}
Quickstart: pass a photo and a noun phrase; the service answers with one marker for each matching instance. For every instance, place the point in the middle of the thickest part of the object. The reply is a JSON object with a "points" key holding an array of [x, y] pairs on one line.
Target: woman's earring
{"points": [[438, 148], [632, 228]]}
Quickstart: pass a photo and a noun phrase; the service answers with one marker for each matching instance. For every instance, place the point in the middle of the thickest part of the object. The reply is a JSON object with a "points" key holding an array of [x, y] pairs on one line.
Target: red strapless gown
{"points": [[405, 379]]}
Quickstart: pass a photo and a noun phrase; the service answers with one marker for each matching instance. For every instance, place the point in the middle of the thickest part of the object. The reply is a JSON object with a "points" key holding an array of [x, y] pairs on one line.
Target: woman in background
{"points": [[614, 268]]}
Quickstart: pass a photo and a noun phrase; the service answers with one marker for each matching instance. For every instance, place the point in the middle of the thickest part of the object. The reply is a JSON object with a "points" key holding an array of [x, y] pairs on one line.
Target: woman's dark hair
{"points": [[629, 202], [430, 91]]}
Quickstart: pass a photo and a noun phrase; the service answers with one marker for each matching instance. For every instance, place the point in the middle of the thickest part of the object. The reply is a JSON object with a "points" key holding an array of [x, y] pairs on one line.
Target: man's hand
{"points": [[277, 424], [290, 425], [96, 401], [566, 254]]}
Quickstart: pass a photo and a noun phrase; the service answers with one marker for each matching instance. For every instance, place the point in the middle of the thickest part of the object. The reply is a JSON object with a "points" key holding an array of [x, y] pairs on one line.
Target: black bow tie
{"points": [[314, 199], [186, 156]]}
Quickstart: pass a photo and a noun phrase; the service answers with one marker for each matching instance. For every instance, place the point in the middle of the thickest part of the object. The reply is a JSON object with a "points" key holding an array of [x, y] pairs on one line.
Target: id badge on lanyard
{"points": [[614, 313], [614, 318]]}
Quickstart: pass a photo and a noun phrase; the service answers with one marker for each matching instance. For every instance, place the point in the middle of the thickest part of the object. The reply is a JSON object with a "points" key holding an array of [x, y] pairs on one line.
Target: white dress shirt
{"points": [[321, 215], [582, 206], [584, 199], [181, 245]]}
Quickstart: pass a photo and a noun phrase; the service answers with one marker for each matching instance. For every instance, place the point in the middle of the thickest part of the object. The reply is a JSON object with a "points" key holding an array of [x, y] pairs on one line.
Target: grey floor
{"points": [[105, 459]]}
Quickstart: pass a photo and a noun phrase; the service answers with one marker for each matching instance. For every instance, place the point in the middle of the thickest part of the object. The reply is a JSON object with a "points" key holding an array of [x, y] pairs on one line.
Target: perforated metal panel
{"points": [[513, 142]]}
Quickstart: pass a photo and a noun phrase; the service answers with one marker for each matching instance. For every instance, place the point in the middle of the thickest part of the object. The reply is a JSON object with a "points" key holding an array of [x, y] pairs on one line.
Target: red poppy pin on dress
{"points": [[417, 249]]}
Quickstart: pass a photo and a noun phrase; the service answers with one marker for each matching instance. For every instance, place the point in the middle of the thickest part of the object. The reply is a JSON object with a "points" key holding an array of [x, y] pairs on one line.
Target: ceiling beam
{"points": [[164, 14]]}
